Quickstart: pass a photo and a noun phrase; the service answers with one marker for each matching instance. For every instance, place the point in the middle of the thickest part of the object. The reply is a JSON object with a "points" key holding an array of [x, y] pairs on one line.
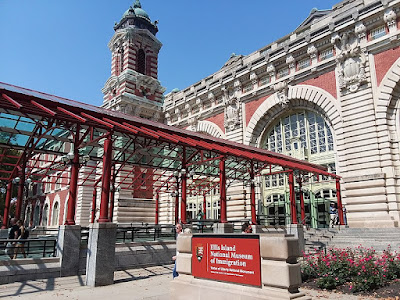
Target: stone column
{"points": [[68, 249], [298, 231], [100, 262], [280, 271]]}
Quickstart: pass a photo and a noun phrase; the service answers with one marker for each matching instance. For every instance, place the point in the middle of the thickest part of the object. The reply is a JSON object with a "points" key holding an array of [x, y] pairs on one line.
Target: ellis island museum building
{"points": [[326, 93]]}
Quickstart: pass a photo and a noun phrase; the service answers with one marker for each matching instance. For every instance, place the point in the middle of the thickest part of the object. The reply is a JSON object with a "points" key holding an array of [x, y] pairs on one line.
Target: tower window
{"points": [[141, 62]]}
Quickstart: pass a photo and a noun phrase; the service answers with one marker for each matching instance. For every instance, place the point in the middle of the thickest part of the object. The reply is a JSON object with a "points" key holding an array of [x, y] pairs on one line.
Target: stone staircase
{"points": [[377, 238]]}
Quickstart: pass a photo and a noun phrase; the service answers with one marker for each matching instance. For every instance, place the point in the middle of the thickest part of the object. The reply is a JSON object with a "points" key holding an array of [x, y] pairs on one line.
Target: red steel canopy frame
{"points": [[52, 134]]}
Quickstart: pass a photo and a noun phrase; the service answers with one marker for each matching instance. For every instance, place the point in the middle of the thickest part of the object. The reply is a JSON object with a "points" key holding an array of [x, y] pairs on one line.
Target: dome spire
{"points": [[137, 4]]}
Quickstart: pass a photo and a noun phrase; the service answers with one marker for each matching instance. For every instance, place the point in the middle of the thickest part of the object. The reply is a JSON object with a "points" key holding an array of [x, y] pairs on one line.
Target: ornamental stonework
{"points": [[350, 62], [281, 89], [232, 109]]}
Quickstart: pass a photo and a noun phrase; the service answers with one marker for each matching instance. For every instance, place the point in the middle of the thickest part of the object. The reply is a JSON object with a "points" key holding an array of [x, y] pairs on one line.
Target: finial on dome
{"points": [[137, 4]]}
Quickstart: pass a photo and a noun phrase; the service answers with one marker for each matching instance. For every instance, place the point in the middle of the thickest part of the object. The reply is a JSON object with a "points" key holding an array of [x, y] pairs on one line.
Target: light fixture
{"points": [[16, 180], [70, 155], [86, 158], [183, 171], [176, 173], [28, 180], [3, 190]]}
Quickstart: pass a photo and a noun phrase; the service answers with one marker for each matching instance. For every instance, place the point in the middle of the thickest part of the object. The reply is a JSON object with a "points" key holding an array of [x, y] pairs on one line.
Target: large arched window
{"points": [[307, 136], [141, 62], [302, 130]]}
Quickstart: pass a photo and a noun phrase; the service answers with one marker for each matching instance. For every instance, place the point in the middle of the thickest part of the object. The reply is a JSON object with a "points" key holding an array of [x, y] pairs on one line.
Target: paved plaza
{"points": [[143, 283]]}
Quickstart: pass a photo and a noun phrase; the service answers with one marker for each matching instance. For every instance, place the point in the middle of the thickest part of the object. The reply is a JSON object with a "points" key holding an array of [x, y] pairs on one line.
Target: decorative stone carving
{"points": [[291, 62], [312, 51], [253, 78], [232, 114], [281, 89], [168, 116], [211, 97], [361, 31], [199, 103], [390, 19], [193, 123], [350, 61], [178, 112], [237, 86], [156, 116], [271, 70]]}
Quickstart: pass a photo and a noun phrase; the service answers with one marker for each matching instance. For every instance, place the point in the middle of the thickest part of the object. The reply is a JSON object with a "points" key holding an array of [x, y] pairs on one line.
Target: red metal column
{"points": [[222, 190], [303, 209], [177, 201], [293, 212], [94, 205], [20, 197], [94, 200], [7, 205], [157, 207], [183, 199], [73, 185], [105, 183], [204, 206], [339, 202], [112, 198], [183, 187], [253, 195]]}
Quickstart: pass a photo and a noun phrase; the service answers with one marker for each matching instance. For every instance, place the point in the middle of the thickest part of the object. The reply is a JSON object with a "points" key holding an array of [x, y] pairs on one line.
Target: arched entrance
{"points": [[305, 131]]}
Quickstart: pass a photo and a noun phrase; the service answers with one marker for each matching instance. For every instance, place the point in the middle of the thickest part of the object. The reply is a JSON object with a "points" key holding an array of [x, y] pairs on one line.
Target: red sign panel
{"points": [[232, 258]]}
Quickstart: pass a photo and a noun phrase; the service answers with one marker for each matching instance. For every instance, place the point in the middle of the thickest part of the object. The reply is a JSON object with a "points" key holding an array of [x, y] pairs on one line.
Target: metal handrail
{"points": [[39, 247]]}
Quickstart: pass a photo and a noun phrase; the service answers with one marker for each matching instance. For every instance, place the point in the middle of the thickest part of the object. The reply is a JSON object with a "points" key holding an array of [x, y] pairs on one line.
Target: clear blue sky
{"points": [[60, 47]]}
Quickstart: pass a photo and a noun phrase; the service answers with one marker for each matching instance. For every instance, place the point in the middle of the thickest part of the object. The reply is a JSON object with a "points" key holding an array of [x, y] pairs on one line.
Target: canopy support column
{"points": [[222, 188], [7, 205], [339, 202], [204, 206], [303, 210], [20, 197], [157, 208], [177, 200], [94, 205], [253, 195], [105, 183], [293, 212], [73, 185], [183, 187], [112, 198]]}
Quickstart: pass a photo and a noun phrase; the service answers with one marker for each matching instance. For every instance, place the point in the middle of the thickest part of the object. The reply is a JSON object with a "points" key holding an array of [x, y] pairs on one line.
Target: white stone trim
{"points": [[299, 96], [208, 128], [387, 111]]}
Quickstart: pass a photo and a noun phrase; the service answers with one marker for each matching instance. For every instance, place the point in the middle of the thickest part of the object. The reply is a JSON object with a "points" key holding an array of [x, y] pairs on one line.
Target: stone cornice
{"points": [[356, 17]]}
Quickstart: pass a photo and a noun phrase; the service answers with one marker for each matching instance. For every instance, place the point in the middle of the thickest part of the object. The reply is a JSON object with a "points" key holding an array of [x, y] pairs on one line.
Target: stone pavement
{"points": [[152, 283]]}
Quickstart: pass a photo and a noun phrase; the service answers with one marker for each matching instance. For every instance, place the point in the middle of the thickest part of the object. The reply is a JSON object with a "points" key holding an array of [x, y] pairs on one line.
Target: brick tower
{"points": [[133, 87]]}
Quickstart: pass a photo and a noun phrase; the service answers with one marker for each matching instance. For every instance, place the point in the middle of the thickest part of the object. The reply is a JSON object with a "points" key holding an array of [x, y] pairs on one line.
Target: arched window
{"points": [[304, 135], [302, 130], [45, 215], [36, 214], [55, 214], [141, 62]]}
